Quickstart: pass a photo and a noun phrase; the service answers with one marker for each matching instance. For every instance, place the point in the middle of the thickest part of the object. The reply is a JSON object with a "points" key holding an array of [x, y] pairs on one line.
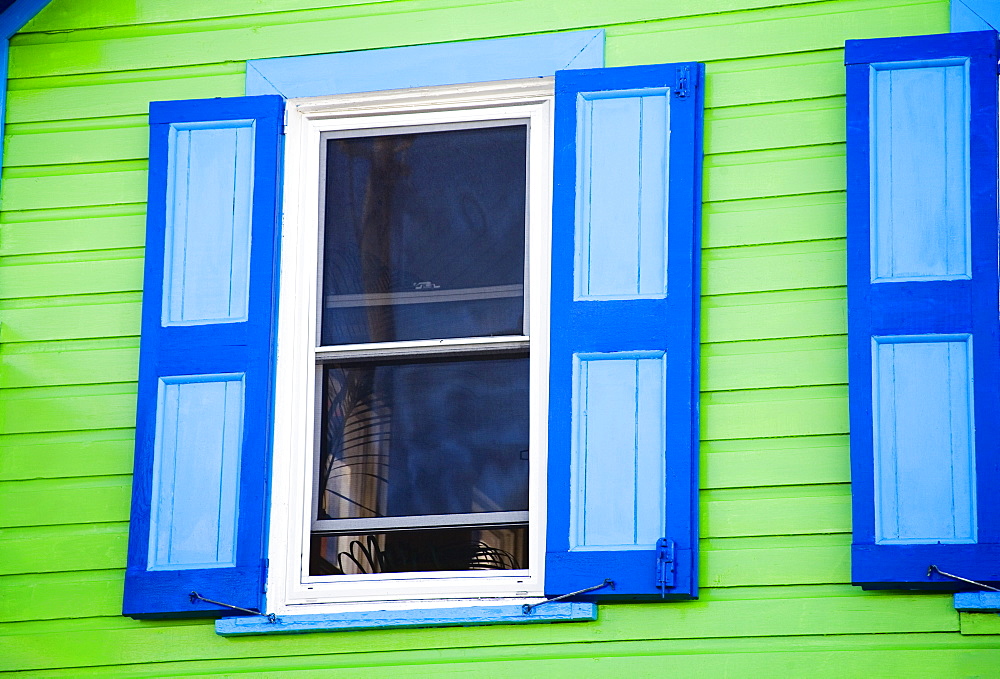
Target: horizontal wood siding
{"points": [[775, 499]]}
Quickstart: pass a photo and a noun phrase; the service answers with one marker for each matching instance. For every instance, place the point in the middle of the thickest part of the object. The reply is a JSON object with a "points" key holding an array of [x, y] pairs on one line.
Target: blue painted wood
{"points": [[209, 192], [622, 199], [449, 63], [465, 616], [949, 308], [617, 493], [919, 154], [583, 549], [974, 15], [977, 602], [176, 368], [925, 476], [195, 486]]}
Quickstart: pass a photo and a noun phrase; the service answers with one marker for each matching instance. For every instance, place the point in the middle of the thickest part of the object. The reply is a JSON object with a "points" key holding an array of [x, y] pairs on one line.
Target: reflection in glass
{"points": [[451, 549], [424, 437], [424, 235]]}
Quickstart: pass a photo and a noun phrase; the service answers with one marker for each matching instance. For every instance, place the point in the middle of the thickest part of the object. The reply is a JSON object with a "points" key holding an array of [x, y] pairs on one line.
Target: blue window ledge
{"points": [[466, 616], [978, 602]]}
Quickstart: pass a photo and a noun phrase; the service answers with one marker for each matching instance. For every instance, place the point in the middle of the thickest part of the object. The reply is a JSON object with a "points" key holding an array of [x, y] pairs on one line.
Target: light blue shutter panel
{"points": [[623, 400], [923, 309], [206, 358]]}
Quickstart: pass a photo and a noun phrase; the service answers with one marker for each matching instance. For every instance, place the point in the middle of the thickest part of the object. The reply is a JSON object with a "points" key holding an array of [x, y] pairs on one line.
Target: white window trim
{"points": [[288, 590]]}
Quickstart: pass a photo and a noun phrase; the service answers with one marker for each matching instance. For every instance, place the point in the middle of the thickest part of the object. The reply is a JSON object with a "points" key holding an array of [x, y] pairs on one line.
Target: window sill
{"points": [[466, 616], [977, 602]]}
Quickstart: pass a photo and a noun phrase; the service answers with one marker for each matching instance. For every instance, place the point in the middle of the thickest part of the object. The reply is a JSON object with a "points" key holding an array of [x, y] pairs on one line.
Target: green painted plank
{"points": [[72, 190], [73, 235], [774, 363], [774, 220], [619, 662], [67, 278], [60, 595], [802, 656], [314, 32], [35, 456], [67, 409], [54, 368], [110, 319], [58, 16], [980, 623], [76, 146], [778, 516], [816, 264], [767, 315], [793, 565], [150, 642], [782, 30], [52, 502], [774, 78], [804, 411], [744, 463], [772, 126], [116, 99], [784, 172], [80, 547]]}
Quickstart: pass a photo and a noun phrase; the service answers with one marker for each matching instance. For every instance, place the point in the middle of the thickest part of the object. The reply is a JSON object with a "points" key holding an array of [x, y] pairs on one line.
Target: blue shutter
{"points": [[623, 391], [923, 309], [206, 361]]}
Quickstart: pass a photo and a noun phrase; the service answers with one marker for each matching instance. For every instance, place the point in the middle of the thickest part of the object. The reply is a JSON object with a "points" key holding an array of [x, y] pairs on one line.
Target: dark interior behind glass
{"points": [[423, 462]]}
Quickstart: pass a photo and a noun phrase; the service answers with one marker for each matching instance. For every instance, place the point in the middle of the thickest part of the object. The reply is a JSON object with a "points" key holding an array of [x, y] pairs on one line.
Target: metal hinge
{"points": [[664, 565], [683, 78]]}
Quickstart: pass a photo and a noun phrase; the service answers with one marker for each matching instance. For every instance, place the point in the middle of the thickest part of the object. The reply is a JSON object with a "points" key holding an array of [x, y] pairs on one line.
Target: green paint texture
{"points": [[775, 499]]}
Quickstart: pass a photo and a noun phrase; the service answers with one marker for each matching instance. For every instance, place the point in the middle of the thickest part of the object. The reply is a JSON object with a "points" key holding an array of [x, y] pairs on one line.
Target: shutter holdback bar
{"points": [[608, 582], [934, 569], [194, 596]]}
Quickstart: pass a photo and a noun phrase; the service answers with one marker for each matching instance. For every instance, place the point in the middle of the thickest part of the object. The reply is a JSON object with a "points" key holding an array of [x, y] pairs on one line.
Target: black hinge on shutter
{"points": [[664, 565]]}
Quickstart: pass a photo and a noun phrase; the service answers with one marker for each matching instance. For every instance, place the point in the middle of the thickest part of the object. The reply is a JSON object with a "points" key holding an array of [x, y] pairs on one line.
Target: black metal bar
{"points": [[194, 596], [934, 569], [527, 608]]}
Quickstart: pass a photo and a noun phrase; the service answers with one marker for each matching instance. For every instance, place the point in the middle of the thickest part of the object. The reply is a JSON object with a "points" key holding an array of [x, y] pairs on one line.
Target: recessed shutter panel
{"points": [[206, 359], [623, 390], [923, 309]]}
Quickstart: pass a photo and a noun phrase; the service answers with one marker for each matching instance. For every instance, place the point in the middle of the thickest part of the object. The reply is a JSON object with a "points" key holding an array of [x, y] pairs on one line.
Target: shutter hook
{"points": [[194, 596], [934, 569], [527, 608]]}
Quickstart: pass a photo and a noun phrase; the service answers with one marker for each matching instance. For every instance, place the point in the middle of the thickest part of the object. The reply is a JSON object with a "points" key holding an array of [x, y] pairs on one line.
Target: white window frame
{"points": [[289, 587]]}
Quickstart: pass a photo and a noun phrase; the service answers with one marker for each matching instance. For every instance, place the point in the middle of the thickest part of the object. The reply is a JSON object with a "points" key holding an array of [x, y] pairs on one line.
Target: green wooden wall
{"points": [[775, 498]]}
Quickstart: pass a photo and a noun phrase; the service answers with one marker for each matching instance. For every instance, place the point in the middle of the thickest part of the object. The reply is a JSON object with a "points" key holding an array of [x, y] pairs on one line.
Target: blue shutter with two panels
{"points": [[923, 309], [206, 368], [623, 419]]}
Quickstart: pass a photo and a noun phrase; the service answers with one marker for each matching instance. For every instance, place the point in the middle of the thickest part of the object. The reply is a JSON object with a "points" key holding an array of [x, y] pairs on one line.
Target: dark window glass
{"points": [[427, 437], [451, 549], [424, 235]]}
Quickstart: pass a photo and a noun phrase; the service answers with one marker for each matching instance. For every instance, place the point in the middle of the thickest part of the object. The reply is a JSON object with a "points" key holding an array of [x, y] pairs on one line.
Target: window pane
{"points": [[419, 438], [424, 235], [454, 549]]}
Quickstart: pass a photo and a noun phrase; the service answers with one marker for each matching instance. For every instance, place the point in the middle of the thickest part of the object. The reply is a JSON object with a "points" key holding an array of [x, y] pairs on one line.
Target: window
{"points": [[922, 306], [248, 471], [412, 345]]}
